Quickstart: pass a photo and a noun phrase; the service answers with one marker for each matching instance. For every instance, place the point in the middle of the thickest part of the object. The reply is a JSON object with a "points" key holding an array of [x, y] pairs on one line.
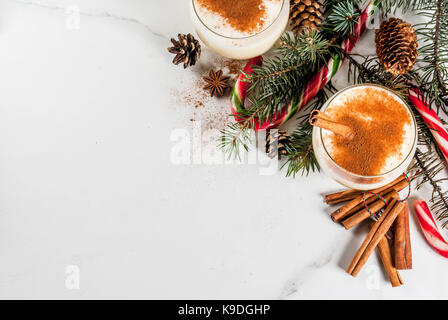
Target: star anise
{"points": [[216, 83]]}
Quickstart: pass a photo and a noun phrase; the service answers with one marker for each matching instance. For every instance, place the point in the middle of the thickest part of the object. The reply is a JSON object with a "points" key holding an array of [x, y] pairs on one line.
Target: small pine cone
{"points": [[305, 14], [187, 50], [283, 139], [396, 46]]}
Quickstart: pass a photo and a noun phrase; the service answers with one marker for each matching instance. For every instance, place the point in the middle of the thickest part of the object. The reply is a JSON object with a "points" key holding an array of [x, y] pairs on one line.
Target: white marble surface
{"points": [[88, 104]]}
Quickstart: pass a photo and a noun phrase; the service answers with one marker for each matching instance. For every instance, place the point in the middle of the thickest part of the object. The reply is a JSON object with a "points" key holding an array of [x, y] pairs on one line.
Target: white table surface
{"points": [[89, 104]]}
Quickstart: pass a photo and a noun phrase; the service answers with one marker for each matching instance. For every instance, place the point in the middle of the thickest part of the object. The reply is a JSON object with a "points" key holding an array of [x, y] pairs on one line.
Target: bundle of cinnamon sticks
{"points": [[391, 217]]}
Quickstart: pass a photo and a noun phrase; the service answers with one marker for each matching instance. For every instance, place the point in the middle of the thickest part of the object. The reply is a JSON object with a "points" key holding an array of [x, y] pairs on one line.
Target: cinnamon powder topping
{"points": [[379, 122], [242, 15]]}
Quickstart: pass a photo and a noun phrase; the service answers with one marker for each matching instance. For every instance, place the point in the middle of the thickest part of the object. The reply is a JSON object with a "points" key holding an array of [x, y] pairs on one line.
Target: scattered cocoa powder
{"points": [[378, 121], [194, 96], [213, 113], [242, 15], [233, 67]]}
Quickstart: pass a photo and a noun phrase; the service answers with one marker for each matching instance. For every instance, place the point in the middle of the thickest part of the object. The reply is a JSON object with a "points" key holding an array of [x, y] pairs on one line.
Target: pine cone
{"points": [[396, 46], [283, 139], [305, 14], [187, 50]]}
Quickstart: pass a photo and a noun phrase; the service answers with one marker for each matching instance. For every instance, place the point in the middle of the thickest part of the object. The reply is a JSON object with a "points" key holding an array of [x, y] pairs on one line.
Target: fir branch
{"points": [[433, 54], [300, 153], [430, 167], [437, 40], [279, 79], [369, 70], [343, 18], [239, 135], [388, 6]]}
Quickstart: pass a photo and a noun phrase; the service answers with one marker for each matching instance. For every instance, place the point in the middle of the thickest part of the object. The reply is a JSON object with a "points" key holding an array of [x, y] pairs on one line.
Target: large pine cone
{"points": [[280, 139], [396, 46], [305, 14], [187, 50]]}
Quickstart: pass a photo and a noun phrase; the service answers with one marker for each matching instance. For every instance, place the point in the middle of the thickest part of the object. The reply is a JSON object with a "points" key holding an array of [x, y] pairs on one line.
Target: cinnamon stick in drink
{"points": [[321, 120], [402, 241], [369, 211], [318, 113], [346, 210], [378, 231]]}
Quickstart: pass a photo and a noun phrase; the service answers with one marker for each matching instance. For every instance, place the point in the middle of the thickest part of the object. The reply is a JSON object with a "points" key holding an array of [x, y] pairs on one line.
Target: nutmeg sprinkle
{"points": [[242, 15], [379, 122]]}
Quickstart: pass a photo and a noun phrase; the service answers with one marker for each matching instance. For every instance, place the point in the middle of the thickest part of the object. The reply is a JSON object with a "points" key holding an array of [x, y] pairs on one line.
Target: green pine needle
{"points": [[343, 18], [300, 153]]}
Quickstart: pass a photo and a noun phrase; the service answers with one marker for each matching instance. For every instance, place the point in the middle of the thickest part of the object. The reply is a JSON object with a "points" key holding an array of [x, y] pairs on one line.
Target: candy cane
{"points": [[430, 229], [432, 120], [317, 82]]}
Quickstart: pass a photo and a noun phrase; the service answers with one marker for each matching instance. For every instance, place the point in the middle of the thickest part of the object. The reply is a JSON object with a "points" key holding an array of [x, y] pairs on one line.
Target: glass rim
{"points": [[414, 121], [238, 38]]}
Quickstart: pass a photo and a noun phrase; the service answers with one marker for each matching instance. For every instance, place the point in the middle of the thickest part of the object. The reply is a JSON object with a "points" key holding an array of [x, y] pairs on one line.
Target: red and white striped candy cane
{"points": [[430, 229], [432, 120]]}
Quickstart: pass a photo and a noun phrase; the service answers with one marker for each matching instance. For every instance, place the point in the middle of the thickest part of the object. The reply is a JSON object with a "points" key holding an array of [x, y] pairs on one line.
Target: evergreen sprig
{"points": [[433, 53], [369, 70], [277, 81], [300, 154], [343, 17], [431, 166], [390, 6], [238, 135]]}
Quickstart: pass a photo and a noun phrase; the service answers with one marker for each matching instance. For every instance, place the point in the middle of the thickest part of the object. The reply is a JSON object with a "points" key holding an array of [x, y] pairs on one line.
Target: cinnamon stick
{"points": [[378, 231], [319, 119], [318, 113], [346, 210], [386, 257], [369, 211], [369, 201], [342, 196], [400, 242], [408, 248], [397, 187], [373, 229], [402, 245]]}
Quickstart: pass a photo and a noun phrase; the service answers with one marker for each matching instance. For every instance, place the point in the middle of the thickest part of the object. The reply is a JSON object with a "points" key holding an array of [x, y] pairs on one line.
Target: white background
{"points": [[88, 104]]}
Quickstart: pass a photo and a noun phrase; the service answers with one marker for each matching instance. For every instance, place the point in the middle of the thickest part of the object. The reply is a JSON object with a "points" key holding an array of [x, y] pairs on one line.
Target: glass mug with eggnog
{"points": [[366, 136], [240, 29]]}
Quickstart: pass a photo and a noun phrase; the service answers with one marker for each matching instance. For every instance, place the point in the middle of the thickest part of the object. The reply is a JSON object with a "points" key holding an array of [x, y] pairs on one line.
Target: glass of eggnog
{"points": [[383, 137], [240, 29]]}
